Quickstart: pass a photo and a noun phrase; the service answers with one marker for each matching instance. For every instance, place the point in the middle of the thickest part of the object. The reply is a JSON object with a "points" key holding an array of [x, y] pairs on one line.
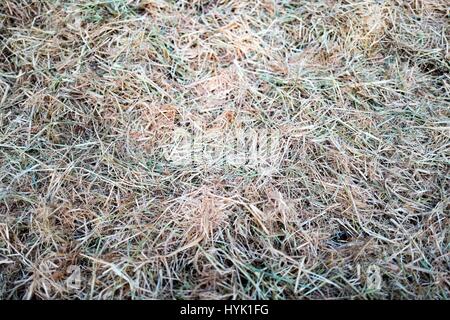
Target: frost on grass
{"points": [[354, 204]]}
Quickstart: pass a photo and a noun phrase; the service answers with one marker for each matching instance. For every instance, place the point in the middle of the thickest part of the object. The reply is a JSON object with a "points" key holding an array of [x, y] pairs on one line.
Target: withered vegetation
{"points": [[91, 91]]}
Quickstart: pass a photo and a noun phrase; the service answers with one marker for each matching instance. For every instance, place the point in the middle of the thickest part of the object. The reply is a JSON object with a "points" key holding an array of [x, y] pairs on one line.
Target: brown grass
{"points": [[91, 92]]}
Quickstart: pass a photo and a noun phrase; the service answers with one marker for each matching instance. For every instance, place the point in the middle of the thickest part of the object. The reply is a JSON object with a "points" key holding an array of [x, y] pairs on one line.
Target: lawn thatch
{"points": [[355, 205]]}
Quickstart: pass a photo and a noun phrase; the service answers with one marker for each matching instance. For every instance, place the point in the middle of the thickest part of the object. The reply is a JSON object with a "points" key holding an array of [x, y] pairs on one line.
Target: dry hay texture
{"points": [[357, 207]]}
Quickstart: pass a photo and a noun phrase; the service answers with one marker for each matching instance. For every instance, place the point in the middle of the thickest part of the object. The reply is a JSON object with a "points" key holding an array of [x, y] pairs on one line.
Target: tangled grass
{"points": [[91, 92]]}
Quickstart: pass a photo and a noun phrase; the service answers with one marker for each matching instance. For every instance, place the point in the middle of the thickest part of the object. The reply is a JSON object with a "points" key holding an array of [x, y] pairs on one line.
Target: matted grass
{"points": [[92, 91]]}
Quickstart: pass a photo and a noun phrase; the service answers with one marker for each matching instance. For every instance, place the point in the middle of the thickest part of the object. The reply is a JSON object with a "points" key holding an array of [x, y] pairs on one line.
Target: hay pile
{"points": [[356, 207]]}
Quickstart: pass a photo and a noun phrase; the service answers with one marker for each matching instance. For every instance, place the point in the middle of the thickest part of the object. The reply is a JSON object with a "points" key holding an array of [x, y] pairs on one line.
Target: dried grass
{"points": [[90, 92]]}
